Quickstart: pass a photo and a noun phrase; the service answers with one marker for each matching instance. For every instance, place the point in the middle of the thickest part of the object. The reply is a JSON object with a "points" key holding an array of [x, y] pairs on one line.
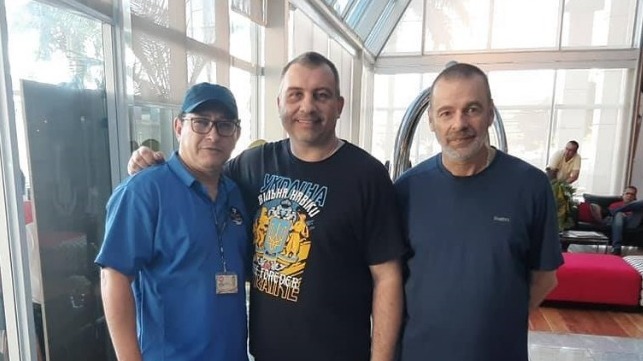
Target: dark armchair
{"points": [[631, 237]]}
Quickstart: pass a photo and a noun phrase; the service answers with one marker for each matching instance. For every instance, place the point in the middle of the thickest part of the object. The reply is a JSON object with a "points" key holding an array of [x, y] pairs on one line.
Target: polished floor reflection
{"points": [[546, 346]]}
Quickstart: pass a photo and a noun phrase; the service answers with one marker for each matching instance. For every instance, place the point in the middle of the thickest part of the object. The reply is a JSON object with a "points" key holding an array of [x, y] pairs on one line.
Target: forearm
{"points": [[542, 282], [573, 176], [120, 314], [387, 309]]}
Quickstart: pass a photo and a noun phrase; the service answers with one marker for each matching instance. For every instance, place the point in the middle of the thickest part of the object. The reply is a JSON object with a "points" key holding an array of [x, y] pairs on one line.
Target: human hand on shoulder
{"points": [[142, 158]]}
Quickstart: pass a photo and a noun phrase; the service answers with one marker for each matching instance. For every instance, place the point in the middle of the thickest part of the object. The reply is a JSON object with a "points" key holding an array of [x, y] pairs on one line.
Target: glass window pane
{"points": [[424, 144], [243, 88], [320, 40], [590, 109], [357, 12], [154, 10], [200, 20], [598, 23], [302, 33], [152, 126], [103, 6], [381, 94], [508, 87], [341, 5], [515, 22], [151, 69], [406, 87], [382, 138], [389, 110], [241, 36], [201, 69], [527, 131], [456, 25], [406, 38], [251, 9], [344, 63]]}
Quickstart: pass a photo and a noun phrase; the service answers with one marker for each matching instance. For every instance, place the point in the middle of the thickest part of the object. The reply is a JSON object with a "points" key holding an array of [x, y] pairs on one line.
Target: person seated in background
{"points": [[564, 165], [623, 214]]}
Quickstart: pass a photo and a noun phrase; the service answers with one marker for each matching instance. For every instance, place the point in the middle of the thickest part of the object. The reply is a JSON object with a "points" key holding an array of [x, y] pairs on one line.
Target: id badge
{"points": [[226, 283]]}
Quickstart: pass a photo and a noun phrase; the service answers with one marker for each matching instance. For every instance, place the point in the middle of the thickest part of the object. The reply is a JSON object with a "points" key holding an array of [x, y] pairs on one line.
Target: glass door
{"points": [[57, 65]]}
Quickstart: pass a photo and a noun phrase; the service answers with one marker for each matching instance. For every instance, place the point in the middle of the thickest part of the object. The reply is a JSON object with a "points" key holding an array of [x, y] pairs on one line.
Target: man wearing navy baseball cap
{"points": [[177, 244]]}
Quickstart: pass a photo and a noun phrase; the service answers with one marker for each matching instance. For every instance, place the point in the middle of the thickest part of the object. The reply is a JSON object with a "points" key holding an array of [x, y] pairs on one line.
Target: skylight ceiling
{"points": [[372, 21]]}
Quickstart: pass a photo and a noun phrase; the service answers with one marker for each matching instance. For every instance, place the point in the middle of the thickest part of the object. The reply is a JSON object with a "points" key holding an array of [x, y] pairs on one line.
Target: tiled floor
{"points": [[545, 346]]}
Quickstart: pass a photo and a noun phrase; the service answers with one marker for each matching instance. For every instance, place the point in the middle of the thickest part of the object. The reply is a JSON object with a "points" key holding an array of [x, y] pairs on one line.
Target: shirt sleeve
{"points": [[576, 164], [381, 225], [554, 160], [545, 250], [129, 231]]}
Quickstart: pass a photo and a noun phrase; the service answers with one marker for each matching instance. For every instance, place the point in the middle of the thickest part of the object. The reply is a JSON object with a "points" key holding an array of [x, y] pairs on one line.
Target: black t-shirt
{"points": [[317, 228]]}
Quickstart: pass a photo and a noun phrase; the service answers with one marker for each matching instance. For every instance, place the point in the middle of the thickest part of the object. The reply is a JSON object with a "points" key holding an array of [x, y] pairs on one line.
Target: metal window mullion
{"points": [[81, 9], [552, 118], [424, 25], [561, 18], [14, 268], [222, 41]]}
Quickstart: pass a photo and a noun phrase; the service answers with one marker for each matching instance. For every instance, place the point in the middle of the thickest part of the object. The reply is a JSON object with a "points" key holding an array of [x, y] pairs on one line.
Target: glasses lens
{"points": [[225, 128], [201, 125]]}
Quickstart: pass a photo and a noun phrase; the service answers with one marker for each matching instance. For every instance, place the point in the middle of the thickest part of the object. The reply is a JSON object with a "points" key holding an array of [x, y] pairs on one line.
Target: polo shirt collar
{"points": [[177, 166]]}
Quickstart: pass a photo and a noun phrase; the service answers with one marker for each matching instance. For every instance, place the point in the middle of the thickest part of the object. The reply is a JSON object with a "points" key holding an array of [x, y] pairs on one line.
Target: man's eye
{"points": [[473, 110], [322, 96], [444, 114], [225, 125], [201, 122]]}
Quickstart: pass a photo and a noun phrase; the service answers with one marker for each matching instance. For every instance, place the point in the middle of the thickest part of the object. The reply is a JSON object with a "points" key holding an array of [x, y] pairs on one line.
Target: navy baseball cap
{"points": [[202, 93]]}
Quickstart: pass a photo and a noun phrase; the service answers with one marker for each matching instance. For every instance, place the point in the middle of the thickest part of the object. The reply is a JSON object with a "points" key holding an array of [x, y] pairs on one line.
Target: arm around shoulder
{"points": [[142, 158]]}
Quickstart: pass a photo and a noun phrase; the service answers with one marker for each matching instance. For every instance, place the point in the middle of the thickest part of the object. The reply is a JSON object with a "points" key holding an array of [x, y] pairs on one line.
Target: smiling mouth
{"points": [[207, 149], [461, 140], [307, 120]]}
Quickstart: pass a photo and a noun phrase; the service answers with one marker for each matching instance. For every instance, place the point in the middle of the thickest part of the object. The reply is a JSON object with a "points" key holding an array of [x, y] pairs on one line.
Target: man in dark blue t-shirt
{"points": [[483, 233]]}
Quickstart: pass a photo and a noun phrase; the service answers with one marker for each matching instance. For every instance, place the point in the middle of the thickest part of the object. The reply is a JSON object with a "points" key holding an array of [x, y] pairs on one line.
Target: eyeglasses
{"points": [[201, 125], [630, 194]]}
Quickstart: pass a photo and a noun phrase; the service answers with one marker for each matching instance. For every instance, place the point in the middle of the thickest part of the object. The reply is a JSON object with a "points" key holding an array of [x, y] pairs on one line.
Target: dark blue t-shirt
{"points": [[474, 242]]}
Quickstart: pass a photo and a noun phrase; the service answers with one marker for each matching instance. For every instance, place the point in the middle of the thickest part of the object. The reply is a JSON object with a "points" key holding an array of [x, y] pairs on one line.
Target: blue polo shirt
{"points": [[164, 230]]}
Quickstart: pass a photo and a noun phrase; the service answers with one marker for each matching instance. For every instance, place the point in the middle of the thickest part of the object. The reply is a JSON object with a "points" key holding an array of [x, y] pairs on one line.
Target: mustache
{"points": [[468, 133], [308, 117]]}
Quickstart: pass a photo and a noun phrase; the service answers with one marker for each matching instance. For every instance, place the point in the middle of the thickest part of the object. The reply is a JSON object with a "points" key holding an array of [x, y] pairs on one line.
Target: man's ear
{"points": [[492, 112], [340, 106], [430, 122], [178, 128]]}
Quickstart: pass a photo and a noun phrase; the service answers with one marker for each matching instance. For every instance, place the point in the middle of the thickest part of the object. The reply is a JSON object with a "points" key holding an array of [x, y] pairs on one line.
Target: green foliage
{"points": [[565, 204]]}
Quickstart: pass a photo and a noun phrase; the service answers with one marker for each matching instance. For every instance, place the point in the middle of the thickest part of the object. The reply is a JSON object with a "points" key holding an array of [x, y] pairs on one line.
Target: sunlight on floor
{"points": [[546, 346]]}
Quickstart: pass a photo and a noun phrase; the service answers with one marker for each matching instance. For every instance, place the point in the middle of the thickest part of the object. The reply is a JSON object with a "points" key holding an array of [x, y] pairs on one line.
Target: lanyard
{"points": [[220, 228]]}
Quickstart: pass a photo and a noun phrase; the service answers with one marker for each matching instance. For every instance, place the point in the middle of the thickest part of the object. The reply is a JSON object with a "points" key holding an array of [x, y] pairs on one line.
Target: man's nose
{"points": [[460, 120], [307, 104], [213, 133]]}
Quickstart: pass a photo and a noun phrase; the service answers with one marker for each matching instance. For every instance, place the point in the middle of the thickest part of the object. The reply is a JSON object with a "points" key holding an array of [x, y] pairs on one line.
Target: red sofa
{"points": [[597, 278]]}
